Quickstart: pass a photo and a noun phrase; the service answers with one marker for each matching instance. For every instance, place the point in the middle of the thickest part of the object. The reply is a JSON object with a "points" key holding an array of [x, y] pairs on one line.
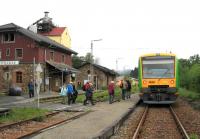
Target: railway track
{"points": [[28, 128], [159, 123]]}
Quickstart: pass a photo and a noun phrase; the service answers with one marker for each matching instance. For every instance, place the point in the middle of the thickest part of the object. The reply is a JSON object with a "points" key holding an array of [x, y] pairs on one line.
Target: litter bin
{"points": [[15, 91]]}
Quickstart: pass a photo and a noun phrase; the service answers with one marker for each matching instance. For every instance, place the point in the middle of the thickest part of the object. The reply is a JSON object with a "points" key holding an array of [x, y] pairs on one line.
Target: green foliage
{"points": [[89, 58], [194, 136], [100, 95], [134, 73], [190, 73], [189, 94], [19, 114], [78, 61]]}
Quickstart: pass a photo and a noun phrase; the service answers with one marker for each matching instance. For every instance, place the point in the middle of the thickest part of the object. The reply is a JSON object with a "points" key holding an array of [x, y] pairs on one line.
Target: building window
{"points": [[51, 55], [19, 53], [7, 76], [0, 54], [19, 77], [63, 58], [8, 52], [8, 37]]}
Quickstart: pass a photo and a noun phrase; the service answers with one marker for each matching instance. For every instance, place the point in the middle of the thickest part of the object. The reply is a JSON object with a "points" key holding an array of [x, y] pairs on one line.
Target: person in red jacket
{"points": [[111, 91]]}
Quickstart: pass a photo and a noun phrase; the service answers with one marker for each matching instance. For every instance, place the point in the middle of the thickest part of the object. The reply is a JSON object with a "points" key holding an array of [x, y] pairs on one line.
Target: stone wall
{"points": [[102, 78], [8, 76]]}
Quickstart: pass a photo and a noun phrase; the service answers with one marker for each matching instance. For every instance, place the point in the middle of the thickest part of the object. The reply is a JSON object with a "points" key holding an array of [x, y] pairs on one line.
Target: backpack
{"points": [[83, 88], [129, 85], [121, 85]]}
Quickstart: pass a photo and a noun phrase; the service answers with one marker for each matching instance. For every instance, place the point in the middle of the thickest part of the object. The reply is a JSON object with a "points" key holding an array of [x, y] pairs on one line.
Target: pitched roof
{"points": [[62, 67], [57, 31], [37, 37], [104, 69]]}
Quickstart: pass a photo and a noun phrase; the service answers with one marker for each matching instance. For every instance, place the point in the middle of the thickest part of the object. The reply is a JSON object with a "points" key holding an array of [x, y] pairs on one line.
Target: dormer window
{"points": [[8, 37]]}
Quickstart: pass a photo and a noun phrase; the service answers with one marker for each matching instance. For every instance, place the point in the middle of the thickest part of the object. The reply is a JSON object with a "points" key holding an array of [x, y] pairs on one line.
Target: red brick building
{"points": [[21, 45]]}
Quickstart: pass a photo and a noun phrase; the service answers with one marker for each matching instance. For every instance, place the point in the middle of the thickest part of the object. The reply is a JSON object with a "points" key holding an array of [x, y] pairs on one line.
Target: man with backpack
{"points": [[70, 92], [88, 93]]}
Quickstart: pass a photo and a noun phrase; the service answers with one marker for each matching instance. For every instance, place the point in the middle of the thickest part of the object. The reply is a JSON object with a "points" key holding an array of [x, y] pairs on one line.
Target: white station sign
{"points": [[9, 62]]}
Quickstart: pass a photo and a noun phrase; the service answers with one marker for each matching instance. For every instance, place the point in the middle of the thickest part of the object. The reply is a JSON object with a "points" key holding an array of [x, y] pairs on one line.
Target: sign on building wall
{"points": [[9, 62]]}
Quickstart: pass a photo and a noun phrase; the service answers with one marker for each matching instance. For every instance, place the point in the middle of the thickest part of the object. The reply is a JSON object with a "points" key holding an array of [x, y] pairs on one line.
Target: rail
{"points": [[139, 126], [177, 120], [182, 129]]}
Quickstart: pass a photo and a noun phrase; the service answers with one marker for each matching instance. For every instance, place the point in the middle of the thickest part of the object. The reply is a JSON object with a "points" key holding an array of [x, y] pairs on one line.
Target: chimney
{"points": [[46, 18], [46, 14]]}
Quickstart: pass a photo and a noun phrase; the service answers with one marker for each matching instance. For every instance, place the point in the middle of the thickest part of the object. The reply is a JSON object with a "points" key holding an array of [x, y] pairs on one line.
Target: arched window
{"points": [[18, 77]]}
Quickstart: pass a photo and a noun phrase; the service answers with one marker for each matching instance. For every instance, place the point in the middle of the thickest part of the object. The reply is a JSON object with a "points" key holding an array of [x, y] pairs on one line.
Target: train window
{"points": [[161, 68]]}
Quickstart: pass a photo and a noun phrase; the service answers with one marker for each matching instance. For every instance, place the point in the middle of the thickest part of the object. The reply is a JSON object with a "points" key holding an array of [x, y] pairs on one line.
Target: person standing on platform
{"points": [[111, 91], [31, 89], [70, 92]]}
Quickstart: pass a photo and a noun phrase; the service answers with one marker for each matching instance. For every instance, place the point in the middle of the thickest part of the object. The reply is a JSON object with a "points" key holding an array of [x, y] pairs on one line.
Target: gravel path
{"points": [[189, 116]]}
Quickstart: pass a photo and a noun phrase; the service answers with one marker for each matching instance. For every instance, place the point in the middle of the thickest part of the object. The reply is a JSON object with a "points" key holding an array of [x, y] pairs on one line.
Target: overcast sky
{"points": [[128, 28]]}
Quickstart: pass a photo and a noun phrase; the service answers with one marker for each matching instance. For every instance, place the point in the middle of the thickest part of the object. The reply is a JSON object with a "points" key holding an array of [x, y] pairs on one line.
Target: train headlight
{"points": [[144, 82], [172, 81]]}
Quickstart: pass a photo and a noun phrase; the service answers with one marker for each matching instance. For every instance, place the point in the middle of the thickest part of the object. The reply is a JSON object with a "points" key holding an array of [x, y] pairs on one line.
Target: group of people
{"points": [[70, 92], [125, 86]]}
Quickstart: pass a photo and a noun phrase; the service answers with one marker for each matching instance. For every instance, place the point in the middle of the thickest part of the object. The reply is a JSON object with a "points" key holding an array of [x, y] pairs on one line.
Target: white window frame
{"points": [[16, 53]]}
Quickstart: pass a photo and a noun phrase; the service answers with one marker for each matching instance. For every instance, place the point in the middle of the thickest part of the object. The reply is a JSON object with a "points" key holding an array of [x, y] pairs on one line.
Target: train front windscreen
{"points": [[158, 68]]}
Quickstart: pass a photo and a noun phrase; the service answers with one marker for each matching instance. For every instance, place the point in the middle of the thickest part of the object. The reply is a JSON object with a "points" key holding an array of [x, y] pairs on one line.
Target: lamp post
{"points": [[91, 61]]}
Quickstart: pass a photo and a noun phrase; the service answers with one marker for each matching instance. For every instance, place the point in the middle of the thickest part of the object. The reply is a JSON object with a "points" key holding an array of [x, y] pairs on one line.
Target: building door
{"points": [[95, 82]]}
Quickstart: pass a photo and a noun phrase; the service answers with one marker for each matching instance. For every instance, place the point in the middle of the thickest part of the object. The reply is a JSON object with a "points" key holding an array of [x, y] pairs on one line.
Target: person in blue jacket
{"points": [[70, 92]]}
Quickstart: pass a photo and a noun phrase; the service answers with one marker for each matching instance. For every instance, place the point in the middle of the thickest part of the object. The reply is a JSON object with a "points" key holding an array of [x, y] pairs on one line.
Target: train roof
{"points": [[157, 54]]}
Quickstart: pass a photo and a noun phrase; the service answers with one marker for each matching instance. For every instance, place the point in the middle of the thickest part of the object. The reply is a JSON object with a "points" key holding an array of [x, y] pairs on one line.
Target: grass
{"points": [[19, 114], [103, 95], [189, 94], [194, 136]]}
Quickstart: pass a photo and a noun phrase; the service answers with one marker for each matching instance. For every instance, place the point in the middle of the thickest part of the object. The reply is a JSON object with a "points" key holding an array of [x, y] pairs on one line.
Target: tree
{"points": [[89, 58], [190, 73], [194, 78], [134, 73], [194, 59], [76, 61]]}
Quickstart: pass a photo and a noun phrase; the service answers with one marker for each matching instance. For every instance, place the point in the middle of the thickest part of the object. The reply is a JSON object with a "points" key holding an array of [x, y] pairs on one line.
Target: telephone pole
{"points": [[91, 61]]}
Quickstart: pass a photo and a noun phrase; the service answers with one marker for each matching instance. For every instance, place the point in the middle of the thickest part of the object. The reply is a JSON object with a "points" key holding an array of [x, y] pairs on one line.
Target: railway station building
{"points": [[21, 50]]}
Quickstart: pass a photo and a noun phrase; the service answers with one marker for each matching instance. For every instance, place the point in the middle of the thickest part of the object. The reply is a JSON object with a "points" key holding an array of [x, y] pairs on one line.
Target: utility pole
{"points": [[91, 61], [117, 63]]}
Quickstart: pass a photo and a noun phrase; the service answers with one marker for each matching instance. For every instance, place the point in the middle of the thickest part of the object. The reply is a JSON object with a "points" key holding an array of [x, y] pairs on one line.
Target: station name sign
{"points": [[9, 62]]}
